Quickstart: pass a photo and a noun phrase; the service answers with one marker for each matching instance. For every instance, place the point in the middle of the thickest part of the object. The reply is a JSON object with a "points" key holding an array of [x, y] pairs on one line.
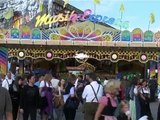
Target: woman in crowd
{"points": [[58, 100], [108, 103], [124, 113], [45, 90], [144, 100], [70, 99], [134, 102], [15, 91]]}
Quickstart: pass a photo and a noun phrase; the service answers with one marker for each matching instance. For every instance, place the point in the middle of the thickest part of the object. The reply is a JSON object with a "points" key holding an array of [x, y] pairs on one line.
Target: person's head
{"points": [[9, 75], [72, 78], [80, 77], [48, 77], [19, 80], [124, 106], [112, 87], [62, 82], [144, 83], [135, 81], [91, 76], [41, 77], [31, 79]]}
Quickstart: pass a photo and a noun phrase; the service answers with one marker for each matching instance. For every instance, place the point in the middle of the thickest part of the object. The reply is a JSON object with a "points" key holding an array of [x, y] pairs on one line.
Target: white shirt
{"points": [[5, 83], [54, 83], [145, 90], [76, 83], [42, 84], [88, 93]]}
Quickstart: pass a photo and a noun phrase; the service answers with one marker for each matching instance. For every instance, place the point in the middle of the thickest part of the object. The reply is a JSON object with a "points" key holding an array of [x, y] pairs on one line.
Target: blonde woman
{"points": [[108, 103], [45, 90]]}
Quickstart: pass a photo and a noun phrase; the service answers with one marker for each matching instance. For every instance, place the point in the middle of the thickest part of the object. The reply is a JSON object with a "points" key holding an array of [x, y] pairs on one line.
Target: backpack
{"points": [[10, 86]]}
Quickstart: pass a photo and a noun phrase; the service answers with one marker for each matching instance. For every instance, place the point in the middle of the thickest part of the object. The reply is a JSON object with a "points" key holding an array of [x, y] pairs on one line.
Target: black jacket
{"points": [[29, 97]]}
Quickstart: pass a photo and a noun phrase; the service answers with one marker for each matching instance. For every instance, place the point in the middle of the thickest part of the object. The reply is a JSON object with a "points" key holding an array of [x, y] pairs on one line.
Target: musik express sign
{"points": [[73, 17]]}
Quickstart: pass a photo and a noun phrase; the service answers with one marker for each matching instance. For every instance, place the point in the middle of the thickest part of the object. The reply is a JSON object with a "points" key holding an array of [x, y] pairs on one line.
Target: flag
{"points": [[97, 1], [65, 2], [152, 18], [40, 6], [152, 69], [122, 8]]}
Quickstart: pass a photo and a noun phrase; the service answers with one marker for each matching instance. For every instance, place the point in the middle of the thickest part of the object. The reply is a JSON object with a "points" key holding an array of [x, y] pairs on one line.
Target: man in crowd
{"points": [[29, 101], [7, 81], [5, 105], [91, 94]]}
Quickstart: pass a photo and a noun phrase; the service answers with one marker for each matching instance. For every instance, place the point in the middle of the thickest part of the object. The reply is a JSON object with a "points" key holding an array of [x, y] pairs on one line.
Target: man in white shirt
{"points": [[92, 93], [7, 81]]}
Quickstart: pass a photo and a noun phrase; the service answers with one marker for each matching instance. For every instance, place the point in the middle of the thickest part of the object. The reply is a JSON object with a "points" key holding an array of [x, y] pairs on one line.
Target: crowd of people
{"points": [[58, 98]]}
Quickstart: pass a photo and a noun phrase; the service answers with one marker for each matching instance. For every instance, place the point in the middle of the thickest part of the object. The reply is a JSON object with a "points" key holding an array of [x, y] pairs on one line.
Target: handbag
{"points": [[58, 101]]}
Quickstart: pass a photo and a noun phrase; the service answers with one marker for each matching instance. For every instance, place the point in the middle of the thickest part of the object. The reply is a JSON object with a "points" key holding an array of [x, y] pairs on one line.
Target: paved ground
{"points": [[154, 107]]}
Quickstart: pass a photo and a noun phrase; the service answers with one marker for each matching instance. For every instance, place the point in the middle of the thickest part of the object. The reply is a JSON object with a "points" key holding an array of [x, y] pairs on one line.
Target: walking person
{"points": [[58, 100], [92, 93], [70, 99], [29, 102], [7, 82], [108, 103], [15, 92], [46, 90], [134, 102], [5, 105], [144, 100], [124, 113]]}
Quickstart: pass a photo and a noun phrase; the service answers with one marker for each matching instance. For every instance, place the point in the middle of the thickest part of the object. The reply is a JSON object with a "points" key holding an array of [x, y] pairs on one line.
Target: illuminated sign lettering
{"points": [[73, 17]]}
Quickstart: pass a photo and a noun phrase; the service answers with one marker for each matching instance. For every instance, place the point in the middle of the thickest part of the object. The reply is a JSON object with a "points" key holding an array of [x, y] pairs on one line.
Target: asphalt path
{"points": [[79, 114]]}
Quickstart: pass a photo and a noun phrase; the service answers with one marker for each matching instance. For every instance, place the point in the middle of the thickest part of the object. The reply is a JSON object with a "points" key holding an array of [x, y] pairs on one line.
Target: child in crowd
{"points": [[124, 111]]}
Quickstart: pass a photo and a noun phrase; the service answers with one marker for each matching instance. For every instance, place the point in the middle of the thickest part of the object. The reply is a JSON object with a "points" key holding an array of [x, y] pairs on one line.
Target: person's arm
{"points": [[22, 97], [9, 116], [42, 84], [72, 92], [8, 107], [99, 111]]}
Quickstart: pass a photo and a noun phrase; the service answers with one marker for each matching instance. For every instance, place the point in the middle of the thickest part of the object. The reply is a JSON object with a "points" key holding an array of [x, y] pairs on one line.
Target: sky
{"points": [[137, 12]]}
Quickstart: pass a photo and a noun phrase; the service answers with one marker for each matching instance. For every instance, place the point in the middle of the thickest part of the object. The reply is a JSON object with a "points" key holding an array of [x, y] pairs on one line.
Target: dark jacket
{"points": [[29, 97]]}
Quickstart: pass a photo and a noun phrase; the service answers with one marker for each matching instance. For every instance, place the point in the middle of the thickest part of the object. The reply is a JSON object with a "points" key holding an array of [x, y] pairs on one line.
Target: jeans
{"points": [[58, 114]]}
